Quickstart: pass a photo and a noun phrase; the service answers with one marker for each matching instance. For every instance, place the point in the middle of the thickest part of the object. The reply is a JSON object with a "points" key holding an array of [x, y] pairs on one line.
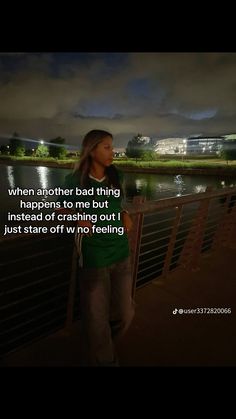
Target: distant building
{"points": [[191, 145], [204, 144], [171, 146], [119, 152], [194, 144], [72, 154], [229, 137]]}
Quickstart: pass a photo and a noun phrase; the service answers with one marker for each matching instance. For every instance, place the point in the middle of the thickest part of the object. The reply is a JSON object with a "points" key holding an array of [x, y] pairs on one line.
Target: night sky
{"points": [[46, 95]]}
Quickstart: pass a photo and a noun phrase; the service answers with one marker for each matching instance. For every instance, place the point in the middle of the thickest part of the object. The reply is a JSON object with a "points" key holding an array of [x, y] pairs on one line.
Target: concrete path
{"points": [[158, 337]]}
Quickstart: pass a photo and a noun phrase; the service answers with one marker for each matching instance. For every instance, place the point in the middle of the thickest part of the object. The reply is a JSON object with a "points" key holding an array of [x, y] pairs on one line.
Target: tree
{"points": [[16, 147], [149, 155], [42, 151], [134, 147], [29, 152], [4, 149], [55, 150], [228, 151], [19, 151]]}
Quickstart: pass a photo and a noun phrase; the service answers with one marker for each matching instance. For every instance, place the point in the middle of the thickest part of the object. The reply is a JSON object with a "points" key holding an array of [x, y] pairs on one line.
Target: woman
{"points": [[105, 272]]}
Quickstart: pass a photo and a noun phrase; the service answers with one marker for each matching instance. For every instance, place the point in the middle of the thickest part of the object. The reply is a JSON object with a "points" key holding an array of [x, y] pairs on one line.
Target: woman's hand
{"points": [[127, 222]]}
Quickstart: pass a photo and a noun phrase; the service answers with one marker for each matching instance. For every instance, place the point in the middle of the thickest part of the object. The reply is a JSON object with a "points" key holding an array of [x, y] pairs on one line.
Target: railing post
{"points": [[135, 239], [232, 225], [226, 229], [172, 241], [191, 252]]}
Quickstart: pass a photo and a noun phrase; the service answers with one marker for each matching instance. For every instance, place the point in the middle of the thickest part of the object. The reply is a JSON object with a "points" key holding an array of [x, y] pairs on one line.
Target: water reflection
{"points": [[10, 176], [152, 186], [155, 186], [43, 173], [227, 184], [199, 188], [178, 180], [140, 184]]}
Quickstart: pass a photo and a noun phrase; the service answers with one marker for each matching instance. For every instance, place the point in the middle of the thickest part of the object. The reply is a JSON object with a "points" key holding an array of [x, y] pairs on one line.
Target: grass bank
{"points": [[189, 166]]}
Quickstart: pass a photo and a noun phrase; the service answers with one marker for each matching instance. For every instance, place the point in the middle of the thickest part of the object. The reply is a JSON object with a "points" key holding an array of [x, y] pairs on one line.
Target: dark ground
{"points": [[157, 337]]}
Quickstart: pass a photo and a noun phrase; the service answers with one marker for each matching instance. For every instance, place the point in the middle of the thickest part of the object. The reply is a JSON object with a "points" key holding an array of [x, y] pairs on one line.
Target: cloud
{"points": [[158, 94]]}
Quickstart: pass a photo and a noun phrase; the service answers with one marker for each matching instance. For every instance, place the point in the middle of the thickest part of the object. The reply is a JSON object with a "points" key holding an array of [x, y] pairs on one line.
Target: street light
{"points": [[41, 142]]}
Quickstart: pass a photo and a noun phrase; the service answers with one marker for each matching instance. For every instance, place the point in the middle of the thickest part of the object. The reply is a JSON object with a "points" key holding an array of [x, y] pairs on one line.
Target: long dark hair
{"points": [[82, 168]]}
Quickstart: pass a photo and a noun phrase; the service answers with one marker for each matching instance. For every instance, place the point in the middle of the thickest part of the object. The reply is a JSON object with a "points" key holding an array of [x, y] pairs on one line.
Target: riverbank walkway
{"points": [[157, 337]]}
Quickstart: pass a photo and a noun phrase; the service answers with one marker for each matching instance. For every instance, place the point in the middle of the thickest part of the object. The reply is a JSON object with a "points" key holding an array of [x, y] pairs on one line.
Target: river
{"points": [[153, 186]]}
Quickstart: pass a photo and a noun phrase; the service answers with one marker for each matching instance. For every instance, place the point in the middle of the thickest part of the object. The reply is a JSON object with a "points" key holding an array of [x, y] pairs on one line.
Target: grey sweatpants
{"points": [[107, 308]]}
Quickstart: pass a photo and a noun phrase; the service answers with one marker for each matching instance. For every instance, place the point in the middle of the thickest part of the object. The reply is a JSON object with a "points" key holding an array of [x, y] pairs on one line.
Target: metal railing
{"points": [[175, 232], [38, 284]]}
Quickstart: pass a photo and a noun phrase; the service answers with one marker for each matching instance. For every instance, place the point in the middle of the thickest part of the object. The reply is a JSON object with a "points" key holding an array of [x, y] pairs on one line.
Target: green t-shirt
{"points": [[100, 249]]}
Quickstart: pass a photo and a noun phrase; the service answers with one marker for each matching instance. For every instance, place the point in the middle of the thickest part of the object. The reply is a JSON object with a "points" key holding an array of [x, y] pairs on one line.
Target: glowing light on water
{"points": [[140, 183], [43, 173], [178, 180], [199, 188], [10, 176]]}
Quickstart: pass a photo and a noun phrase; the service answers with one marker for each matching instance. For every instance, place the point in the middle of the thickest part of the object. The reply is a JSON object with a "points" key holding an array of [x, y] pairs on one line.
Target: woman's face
{"points": [[103, 152]]}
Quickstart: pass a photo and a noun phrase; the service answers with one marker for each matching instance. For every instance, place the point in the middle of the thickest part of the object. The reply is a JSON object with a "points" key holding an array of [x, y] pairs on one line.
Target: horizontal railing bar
{"points": [[33, 296], [148, 243], [31, 284], [151, 266], [207, 240], [146, 276], [185, 222], [205, 247], [32, 308], [180, 231], [211, 229], [181, 238], [43, 253], [154, 257], [187, 211], [175, 255], [158, 222], [177, 247], [37, 268], [157, 231], [174, 202], [30, 321], [215, 214], [152, 250], [213, 220]]}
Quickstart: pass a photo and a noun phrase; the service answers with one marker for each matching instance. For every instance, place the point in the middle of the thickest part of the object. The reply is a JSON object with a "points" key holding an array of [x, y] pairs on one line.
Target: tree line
{"points": [[138, 147], [16, 147]]}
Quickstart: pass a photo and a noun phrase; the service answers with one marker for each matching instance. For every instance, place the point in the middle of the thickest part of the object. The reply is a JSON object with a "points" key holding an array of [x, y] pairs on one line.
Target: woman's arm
{"points": [[126, 220]]}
